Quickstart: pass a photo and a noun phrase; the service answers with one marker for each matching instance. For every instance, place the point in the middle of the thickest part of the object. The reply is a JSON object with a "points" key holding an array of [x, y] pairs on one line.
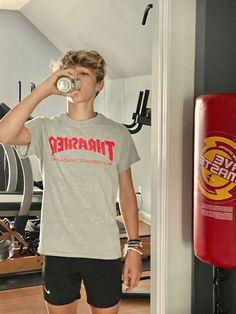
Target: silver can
{"points": [[67, 85]]}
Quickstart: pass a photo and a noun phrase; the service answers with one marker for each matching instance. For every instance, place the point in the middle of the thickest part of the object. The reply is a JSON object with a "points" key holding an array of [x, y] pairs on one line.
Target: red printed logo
{"points": [[59, 144]]}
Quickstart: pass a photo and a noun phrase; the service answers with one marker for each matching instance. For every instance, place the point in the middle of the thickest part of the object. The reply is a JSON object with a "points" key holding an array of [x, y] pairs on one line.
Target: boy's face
{"points": [[88, 88]]}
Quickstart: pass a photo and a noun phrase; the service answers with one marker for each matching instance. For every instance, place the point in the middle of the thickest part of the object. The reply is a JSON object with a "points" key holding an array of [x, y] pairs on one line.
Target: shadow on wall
{"points": [[187, 170]]}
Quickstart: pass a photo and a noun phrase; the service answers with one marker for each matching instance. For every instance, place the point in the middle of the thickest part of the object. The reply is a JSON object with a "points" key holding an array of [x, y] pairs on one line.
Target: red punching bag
{"points": [[215, 180]]}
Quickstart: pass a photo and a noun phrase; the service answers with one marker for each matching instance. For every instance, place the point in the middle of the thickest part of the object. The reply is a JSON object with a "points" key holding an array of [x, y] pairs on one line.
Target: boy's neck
{"points": [[80, 112], [81, 116]]}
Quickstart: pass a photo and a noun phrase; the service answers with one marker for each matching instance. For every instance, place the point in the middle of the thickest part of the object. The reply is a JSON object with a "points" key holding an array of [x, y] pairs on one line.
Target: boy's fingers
{"points": [[126, 279], [133, 283]]}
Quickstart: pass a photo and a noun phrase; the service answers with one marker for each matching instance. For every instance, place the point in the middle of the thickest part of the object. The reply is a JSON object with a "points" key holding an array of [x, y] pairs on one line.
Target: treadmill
{"points": [[20, 202]]}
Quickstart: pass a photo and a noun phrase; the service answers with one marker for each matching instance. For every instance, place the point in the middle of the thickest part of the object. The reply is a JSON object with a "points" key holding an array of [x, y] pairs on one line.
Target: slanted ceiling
{"points": [[112, 27], [12, 4]]}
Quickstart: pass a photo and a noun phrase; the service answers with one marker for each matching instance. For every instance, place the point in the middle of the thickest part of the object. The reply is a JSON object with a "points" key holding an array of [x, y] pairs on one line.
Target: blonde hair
{"points": [[90, 59]]}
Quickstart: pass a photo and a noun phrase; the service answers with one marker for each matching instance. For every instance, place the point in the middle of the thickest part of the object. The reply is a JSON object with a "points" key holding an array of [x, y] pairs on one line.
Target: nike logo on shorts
{"points": [[47, 291]]}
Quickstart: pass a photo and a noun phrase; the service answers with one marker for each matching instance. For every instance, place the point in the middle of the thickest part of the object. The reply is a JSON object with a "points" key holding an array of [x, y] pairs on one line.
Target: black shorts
{"points": [[62, 278]]}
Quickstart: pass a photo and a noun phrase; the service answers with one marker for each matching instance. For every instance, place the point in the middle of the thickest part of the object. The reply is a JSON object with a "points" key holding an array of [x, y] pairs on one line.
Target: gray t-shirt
{"points": [[80, 161]]}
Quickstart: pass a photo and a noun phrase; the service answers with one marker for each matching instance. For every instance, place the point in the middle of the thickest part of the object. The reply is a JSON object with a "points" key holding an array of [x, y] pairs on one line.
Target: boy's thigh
{"points": [[103, 283], [61, 280]]}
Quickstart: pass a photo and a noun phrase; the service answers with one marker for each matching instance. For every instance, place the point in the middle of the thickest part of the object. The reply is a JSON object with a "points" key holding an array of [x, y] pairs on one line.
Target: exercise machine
{"points": [[18, 232]]}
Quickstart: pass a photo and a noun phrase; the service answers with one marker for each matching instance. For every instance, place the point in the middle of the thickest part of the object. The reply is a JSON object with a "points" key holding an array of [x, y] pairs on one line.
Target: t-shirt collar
{"points": [[70, 121]]}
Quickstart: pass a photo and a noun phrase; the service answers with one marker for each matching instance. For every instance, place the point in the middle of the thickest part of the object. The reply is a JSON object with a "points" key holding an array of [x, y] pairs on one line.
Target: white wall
{"points": [[120, 100], [25, 55]]}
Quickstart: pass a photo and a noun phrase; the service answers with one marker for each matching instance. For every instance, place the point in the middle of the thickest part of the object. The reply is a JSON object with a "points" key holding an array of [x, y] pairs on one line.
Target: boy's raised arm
{"points": [[12, 129]]}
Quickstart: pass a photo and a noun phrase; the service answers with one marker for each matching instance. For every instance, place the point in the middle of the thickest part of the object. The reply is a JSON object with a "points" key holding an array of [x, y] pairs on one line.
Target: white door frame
{"points": [[159, 162], [172, 44]]}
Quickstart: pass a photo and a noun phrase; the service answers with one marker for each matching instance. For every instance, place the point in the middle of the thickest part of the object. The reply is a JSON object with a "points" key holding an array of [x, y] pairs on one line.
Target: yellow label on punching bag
{"points": [[217, 168]]}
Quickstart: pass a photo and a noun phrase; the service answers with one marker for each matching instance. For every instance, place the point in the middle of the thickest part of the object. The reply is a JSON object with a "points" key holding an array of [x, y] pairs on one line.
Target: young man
{"points": [[84, 159]]}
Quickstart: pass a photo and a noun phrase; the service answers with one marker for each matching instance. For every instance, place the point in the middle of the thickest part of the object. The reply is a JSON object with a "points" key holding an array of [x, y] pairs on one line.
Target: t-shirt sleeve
{"points": [[128, 153], [35, 147]]}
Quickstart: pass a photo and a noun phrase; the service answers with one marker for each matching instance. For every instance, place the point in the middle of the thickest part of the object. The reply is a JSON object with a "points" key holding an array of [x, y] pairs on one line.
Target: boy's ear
{"points": [[100, 85]]}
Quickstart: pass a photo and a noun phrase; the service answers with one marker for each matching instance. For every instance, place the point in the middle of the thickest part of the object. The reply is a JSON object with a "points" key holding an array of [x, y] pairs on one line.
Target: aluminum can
{"points": [[67, 85]]}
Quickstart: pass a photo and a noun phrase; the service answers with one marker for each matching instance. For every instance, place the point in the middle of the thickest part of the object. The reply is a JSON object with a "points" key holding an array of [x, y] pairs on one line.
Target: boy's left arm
{"points": [[129, 212]]}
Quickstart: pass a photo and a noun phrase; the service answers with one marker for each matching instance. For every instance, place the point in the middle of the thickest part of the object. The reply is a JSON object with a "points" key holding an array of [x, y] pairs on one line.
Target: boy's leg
{"points": [[62, 309], [103, 284], [61, 284], [111, 310]]}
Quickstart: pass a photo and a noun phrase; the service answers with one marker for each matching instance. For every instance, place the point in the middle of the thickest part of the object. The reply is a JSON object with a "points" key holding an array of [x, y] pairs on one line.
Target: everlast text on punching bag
{"points": [[215, 180]]}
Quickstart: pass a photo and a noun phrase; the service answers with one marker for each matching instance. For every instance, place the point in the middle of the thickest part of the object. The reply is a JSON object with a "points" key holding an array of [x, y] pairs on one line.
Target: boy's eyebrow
{"points": [[83, 69]]}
